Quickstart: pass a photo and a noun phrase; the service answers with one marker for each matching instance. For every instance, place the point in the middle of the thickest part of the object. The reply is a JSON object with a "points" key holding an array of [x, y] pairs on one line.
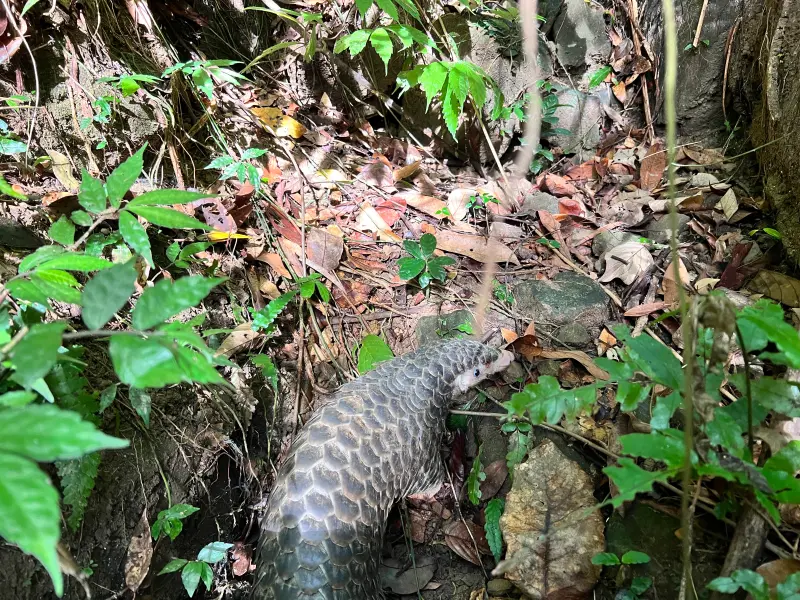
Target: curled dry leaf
{"points": [[476, 247], [274, 260], [281, 125], [466, 539], [238, 339], [140, 552], [369, 220], [777, 286], [457, 202], [626, 262], [62, 169], [378, 174], [407, 171], [427, 204], [669, 286], [645, 309], [653, 166], [551, 527], [559, 186], [579, 356]]}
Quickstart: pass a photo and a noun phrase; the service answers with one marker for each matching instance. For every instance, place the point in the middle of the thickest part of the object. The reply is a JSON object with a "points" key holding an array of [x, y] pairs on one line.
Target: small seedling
{"points": [[192, 571], [502, 292], [241, 169], [549, 243], [311, 284], [170, 521], [203, 73], [637, 585], [422, 263]]}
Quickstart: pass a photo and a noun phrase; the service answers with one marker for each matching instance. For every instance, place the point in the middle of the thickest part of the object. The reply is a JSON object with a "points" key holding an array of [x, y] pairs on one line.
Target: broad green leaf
{"points": [[389, 8], [424, 280], [8, 190], [45, 433], [178, 511], [451, 111], [214, 552], [432, 80], [745, 579], [779, 395], [475, 478], [141, 403], [654, 445], [363, 6], [81, 217], [106, 293], [92, 194], [494, 535], [413, 248], [630, 395], [427, 244], [29, 513], [36, 353], [166, 299], [38, 257], [518, 444], [171, 196], [664, 409], [173, 251], [786, 460], [307, 289], [633, 557], [167, 217], [599, 76], [176, 564], [652, 358], [62, 231], [143, 363], [410, 8], [24, 289], [458, 84], [76, 262], [383, 46], [124, 176], [58, 285], [192, 249], [222, 161], [135, 235], [436, 267], [9, 146], [202, 80], [206, 574], [324, 292], [546, 402], [725, 431], [77, 482], [264, 318], [373, 351], [408, 79], [410, 267], [606, 559], [16, 398], [768, 318], [196, 366], [639, 585], [107, 397], [726, 585], [789, 586], [631, 479]]}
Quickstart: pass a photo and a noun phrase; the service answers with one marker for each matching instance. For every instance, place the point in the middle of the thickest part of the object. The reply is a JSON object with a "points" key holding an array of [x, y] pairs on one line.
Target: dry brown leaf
{"points": [[508, 335], [476, 247], [627, 212], [238, 339], [776, 571], [626, 262], [427, 204], [646, 309], [559, 186], [62, 169], [496, 474], [457, 202], [140, 552], [378, 174], [274, 260], [581, 172], [407, 171], [777, 286], [704, 156], [459, 536], [728, 204], [551, 527], [324, 248], [653, 165], [370, 220], [579, 356], [528, 346], [669, 286], [619, 91]]}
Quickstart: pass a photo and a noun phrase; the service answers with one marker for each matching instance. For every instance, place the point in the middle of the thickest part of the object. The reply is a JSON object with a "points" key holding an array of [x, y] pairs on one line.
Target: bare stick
{"points": [[533, 123], [699, 29]]}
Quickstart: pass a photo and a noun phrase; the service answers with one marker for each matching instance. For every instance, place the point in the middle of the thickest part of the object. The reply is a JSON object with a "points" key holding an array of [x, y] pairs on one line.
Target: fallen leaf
{"points": [[627, 212], [646, 309], [407, 171], [427, 204], [324, 248], [476, 247], [704, 156], [559, 186], [777, 286], [508, 335], [391, 209], [281, 125], [378, 174], [242, 559], [579, 356], [457, 202], [407, 581], [528, 346], [275, 261], [776, 571], [625, 262], [369, 220], [728, 204], [549, 222], [140, 553], [331, 177], [669, 286], [653, 165], [62, 169], [705, 284], [607, 340], [237, 340], [462, 537], [571, 206], [496, 474], [619, 92], [581, 172]]}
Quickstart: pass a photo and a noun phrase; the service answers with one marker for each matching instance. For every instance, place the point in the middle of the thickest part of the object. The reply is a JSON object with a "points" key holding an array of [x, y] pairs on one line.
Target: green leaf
{"points": [[373, 351], [167, 217], [269, 370], [413, 248], [143, 363], [633, 557], [6, 189], [62, 231], [599, 76], [225, 160], [630, 395], [664, 409], [631, 479], [9, 146], [173, 251], [166, 299], [389, 8], [383, 46], [494, 535], [779, 395], [207, 575], [725, 431], [476, 476], [16, 398], [768, 318], [432, 80], [36, 353], [410, 267], [81, 217], [745, 579], [451, 111], [202, 79], [178, 511], [790, 586], [639, 585], [141, 403], [29, 513], [546, 402], [38, 257], [363, 6], [77, 482], [436, 267], [170, 196], [23, 289], [135, 235], [424, 280], [106, 293], [58, 285], [124, 176], [214, 552], [176, 564], [654, 445], [71, 261], [28, 5], [786, 460], [107, 397], [652, 358], [324, 292], [92, 194], [192, 249], [605, 559], [474, 83], [410, 8], [307, 289], [518, 444], [427, 244], [264, 318], [45, 433]]}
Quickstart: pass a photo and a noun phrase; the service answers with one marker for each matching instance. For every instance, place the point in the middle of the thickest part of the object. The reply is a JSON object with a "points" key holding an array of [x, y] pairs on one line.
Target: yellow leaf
{"points": [[219, 236], [279, 123], [62, 169]]}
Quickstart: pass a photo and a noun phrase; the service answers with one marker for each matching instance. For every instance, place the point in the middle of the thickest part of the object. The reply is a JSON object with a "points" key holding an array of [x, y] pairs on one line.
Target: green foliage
{"points": [[203, 73], [422, 263], [374, 350], [518, 443], [241, 169], [264, 319], [170, 521], [129, 84], [502, 292], [310, 285], [194, 571], [268, 368], [475, 478], [77, 481], [494, 535], [390, 7], [606, 559], [638, 585], [599, 76], [381, 41]]}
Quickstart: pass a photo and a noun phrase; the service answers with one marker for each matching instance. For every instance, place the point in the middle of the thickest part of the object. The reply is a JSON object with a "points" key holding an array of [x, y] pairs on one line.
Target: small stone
{"points": [[505, 231], [702, 180], [539, 201], [436, 327], [611, 239], [659, 229], [499, 587], [580, 115], [575, 334], [549, 367], [513, 373], [494, 443]]}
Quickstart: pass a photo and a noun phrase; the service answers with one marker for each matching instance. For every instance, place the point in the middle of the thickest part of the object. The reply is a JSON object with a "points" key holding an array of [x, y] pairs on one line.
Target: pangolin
{"points": [[375, 441]]}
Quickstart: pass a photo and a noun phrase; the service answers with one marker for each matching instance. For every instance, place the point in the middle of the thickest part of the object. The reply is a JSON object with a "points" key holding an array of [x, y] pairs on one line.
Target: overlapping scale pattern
{"points": [[376, 441]]}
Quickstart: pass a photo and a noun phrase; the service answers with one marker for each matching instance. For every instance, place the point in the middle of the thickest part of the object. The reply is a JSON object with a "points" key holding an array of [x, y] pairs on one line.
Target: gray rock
{"points": [[581, 115], [436, 327], [611, 239], [580, 35], [513, 373], [499, 587], [568, 297], [14, 235], [494, 442], [549, 367], [703, 180], [506, 231], [575, 334], [659, 229], [539, 201]]}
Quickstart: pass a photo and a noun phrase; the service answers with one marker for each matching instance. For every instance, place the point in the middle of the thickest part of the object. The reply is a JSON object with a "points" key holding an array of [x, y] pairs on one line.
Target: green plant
{"points": [[637, 585], [475, 478], [194, 571], [373, 352], [312, 284], [241, 169], [183, 258], [422, 263], [446, 329], [381, 41], [755, 585], [502, 292], [204, 72], [8, 145], [599, 76], [48, 412], [170, 521], [549, 243], [494, 535], [264, 319]]}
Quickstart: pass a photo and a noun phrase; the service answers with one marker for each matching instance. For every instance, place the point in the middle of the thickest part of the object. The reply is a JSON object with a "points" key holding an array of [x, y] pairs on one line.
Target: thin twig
{"points": [[700, 20], [533, 122]]}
